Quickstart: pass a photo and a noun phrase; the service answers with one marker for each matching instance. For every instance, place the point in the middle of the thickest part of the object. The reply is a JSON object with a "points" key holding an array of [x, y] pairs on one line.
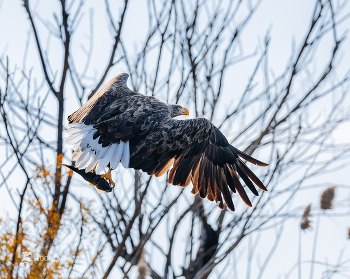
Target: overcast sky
{"points": [[286, 20]]}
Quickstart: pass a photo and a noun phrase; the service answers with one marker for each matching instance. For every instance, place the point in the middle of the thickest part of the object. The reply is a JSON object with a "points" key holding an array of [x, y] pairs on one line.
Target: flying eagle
{"points": [[119, 125]]}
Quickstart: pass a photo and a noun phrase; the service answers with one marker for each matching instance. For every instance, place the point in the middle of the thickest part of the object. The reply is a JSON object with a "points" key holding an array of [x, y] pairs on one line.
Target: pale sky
{"points": [[287, 21]]}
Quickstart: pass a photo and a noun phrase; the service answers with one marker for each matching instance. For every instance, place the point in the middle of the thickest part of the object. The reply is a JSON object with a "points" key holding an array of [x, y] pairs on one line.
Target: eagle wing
{"points": [[200, 154]]}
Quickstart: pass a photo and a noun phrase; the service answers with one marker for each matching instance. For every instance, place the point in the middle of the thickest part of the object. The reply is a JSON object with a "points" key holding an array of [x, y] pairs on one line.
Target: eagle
{"points": [[118, 125]]}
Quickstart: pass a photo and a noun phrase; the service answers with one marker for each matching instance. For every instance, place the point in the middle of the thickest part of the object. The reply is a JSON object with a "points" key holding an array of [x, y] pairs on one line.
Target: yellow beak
{"points": [[184, 111]]}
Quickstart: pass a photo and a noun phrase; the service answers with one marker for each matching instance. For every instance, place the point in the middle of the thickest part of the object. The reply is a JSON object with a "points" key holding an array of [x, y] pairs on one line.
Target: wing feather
{"points": [[251, 175], [117, 156], [164, 167], [126, 155]]}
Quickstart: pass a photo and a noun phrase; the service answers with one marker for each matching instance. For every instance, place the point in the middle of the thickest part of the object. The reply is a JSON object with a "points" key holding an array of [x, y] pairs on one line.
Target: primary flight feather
{"points": [[119, 125]]}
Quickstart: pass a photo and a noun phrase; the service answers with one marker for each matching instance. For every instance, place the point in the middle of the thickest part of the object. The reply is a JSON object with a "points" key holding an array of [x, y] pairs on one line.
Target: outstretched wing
{"points": [[200, 154]]}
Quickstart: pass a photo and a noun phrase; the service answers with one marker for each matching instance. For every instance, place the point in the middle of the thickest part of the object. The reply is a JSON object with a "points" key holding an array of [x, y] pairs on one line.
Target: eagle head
{"points": [[176, 110]]}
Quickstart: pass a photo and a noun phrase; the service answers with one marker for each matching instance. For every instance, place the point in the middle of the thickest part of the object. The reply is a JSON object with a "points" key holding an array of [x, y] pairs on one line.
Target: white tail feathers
{"points": [[103, 163], [76, 137], [126, 155], [117, 156], [88, 153]]}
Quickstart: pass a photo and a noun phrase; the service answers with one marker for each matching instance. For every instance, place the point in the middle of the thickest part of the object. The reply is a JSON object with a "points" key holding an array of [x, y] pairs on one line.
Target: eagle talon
{"points": [[108, 177]]}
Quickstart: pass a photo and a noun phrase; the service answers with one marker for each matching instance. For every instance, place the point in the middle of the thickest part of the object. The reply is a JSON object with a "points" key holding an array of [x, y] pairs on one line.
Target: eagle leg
{"points": [[108, 177]]}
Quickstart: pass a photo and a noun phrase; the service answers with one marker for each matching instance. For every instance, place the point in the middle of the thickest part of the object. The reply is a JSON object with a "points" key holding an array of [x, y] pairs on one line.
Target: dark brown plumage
{"points": [[198, 151]]}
